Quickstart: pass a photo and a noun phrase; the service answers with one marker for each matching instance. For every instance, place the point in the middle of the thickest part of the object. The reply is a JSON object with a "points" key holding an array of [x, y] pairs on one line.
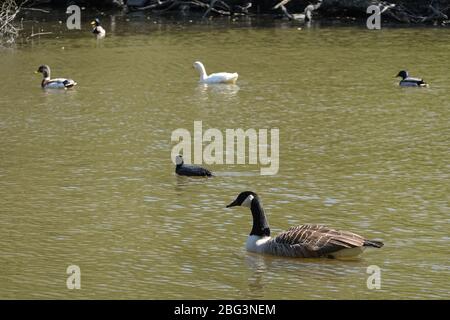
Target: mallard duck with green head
{"points": [[57, 83], [408, 81], [98, 30]]}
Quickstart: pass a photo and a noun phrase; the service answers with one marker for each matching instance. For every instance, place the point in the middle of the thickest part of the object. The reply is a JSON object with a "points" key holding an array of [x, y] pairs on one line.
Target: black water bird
{"points": [[183, 169]]}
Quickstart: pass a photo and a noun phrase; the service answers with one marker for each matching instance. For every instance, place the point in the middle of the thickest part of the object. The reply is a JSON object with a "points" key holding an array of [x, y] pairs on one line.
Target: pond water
{"points": [[86, 176]]}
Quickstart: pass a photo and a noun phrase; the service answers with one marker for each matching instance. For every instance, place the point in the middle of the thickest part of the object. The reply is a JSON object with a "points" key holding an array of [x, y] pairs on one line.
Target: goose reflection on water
{"points": [[227, 91], [265, 270], [255, 280]]}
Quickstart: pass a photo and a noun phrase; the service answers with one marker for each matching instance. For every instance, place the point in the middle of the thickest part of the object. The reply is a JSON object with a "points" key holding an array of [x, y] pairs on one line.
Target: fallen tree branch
{"points": [[39, 34], [282, 3], [402, 14], [211, 5], [432, 13], [219, 7], [36, 9], [305, 16], [154, 5], [8, 12]]}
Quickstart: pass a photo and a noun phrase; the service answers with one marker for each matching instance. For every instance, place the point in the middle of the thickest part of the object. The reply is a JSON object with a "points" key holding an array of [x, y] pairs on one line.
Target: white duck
{"points": [[221, 77]]}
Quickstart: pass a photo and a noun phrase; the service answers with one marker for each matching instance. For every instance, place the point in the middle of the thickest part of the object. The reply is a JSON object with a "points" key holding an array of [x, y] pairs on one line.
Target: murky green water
{"points": [[86, 176]]}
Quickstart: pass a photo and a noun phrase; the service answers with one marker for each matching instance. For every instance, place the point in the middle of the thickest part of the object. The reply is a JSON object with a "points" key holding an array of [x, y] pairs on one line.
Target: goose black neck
{"points": [[260, 224]]}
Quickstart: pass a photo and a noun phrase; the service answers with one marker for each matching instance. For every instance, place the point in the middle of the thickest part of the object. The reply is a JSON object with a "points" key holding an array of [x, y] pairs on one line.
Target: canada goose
{"points": [[183, 169], [57, 83], [221, 77], [304, 241], [407, 81], [98, 29]]}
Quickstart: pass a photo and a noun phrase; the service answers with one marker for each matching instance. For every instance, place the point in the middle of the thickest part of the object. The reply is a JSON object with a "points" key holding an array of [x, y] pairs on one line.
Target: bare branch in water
{"points": [[36, 9], [282, 3], [39, 34]]}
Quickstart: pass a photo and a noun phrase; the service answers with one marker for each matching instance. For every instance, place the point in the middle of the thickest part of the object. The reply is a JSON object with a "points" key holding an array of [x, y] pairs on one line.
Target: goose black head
{"points": [[243, 199], [403, 74], [96, 22], [179, 160], [44, 69], [251, 200]]}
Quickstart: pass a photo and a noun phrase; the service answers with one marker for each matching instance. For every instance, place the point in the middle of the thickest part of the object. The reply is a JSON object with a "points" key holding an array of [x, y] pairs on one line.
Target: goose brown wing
{"points": [[318, 239]]}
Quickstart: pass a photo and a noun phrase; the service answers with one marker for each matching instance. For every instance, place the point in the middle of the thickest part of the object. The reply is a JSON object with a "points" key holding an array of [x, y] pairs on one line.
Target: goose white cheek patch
{"points": [[247, 202]]}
